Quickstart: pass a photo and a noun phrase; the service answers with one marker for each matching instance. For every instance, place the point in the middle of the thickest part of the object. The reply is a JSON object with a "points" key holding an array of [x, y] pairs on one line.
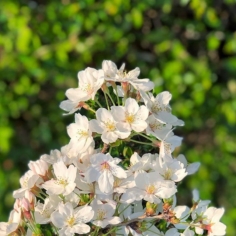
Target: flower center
{"points": [[110, 126], [105, 166], [101, 214], [156, 107], [82, 133], [61, 181], [155, 126], [207, 227], [88, 89], [129, 118], [167, 175], [70, 221], [150, 189]]}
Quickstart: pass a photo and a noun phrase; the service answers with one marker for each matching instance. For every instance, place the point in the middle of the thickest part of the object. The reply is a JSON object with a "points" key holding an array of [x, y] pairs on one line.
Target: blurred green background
{"points": [[185, 47]]}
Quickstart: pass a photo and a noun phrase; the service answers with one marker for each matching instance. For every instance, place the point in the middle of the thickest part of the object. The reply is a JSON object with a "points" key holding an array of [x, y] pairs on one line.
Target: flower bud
{"points": [[31, 198], [151, 208], [25, 206]]}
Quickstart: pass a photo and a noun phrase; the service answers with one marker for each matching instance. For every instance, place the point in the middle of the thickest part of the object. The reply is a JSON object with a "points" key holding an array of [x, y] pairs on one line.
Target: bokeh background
{"points": [[185, 47]]}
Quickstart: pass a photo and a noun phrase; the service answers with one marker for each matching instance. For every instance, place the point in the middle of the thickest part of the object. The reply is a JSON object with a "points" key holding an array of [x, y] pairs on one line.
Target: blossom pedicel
{"points": [[117, 175]]}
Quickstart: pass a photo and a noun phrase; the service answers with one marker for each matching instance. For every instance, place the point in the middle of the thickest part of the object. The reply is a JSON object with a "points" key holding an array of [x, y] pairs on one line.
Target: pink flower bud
{"points": [[31, 198]]}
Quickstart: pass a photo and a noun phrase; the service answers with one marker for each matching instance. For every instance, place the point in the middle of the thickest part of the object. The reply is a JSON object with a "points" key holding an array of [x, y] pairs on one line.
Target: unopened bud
{"points": [[151, 208], [125, 87], [31, 198]]}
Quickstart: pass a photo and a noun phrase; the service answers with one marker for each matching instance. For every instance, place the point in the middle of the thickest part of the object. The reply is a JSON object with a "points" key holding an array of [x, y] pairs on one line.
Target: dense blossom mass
{"points": [[118, 174]]}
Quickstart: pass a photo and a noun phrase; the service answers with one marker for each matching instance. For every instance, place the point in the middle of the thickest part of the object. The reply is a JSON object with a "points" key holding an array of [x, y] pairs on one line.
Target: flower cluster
{"points": [[118, 174]]}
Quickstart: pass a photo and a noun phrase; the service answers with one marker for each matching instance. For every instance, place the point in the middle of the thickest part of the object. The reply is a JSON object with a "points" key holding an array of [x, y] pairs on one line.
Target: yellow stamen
{"points": [[150, 189], [70, 221], [129, 118]]}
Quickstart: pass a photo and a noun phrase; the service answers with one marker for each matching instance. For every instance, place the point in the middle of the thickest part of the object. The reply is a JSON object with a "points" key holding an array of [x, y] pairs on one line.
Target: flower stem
{"points": [[135, 141]]}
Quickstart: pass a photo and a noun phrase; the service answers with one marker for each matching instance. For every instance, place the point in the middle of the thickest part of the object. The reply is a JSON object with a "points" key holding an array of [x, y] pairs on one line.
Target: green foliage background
{"points": [[185, 47]]}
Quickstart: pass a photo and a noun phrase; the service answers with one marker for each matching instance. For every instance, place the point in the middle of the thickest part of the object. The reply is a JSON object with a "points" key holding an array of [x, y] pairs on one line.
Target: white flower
{"points": [[111, 73], [43, 212], [168, 144], [144, 164], [6, 228], [64, 182], [210, 222], [80, 134], [157, 128], [103, 169], [28, 181], [71, 221], [152, 187], [104, 214], [106, 125], [171, 170], [90, 80], [130, 117], [160, 108]]}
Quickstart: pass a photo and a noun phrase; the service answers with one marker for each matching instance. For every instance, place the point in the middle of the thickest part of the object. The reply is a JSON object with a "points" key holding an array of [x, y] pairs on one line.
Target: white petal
{"points": [[105, 182]]}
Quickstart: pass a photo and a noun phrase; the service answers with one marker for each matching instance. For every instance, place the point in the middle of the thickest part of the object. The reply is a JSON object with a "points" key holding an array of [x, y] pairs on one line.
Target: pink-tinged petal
{"points": [[105, 182], [131, 106]]}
